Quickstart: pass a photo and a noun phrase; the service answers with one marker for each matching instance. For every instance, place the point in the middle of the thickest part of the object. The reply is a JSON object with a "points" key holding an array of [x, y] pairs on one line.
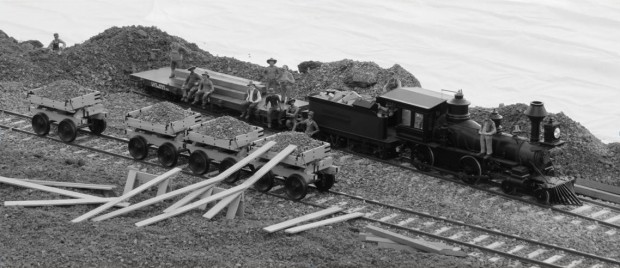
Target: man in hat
{"points": [[392, 83], [274, 105], [311, 125], [486, 132], [286, 81], [204, 89], [271, 74], [191, 83], [176, 57], [251, 101], [288, 116], [55, 44]]}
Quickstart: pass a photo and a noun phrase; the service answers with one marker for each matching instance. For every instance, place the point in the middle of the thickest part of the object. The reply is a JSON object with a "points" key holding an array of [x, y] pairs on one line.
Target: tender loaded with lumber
{"points": [[309, 163], [70, 105], [163, 125]]}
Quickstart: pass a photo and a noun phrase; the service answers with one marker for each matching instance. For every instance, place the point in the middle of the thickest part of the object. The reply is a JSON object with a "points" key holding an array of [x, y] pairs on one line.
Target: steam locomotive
{"points": [[436, 128]]}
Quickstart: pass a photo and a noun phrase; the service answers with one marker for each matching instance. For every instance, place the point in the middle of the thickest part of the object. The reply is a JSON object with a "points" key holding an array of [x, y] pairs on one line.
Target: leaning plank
{"points": [[131, 193], [44, 188], [342, 218], [308, 217], [257, 175], [395, 246], [192, 187], [221, 205], [58, 202], [188, 198], [414, 243], [104, 187], [235, 208], [597, 194]]}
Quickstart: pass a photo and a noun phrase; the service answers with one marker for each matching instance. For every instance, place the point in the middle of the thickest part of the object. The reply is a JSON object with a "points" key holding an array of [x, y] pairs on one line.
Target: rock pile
{"points": [[164, 113], [301, 140], [225, 127], [62, 90]]}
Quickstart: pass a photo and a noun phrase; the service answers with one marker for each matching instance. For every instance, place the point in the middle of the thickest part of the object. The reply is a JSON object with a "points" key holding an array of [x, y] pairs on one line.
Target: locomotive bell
{"points": [[535, 112]]}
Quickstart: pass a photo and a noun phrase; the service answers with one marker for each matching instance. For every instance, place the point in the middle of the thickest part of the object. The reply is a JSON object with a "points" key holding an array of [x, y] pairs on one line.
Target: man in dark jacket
{"points": [[192, 81]]}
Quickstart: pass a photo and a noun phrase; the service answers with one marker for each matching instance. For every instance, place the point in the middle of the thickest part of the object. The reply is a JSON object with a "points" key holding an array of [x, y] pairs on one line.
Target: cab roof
{"points": [[416, 96]]}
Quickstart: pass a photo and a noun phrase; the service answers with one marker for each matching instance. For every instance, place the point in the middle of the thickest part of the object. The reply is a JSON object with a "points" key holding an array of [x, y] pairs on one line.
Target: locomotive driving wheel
{"points": [[67, 130], [199, 162], [470, 169], [422, 157], [265, 183], [168, 154], [224, 165], [138, 147], [97, 126], [296, 187], [325, 182], [41, 124]]}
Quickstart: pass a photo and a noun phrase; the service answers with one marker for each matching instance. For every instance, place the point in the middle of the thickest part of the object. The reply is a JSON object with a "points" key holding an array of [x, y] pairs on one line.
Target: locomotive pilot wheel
{"points": [[324, 182], [542, 195], [67, 130], [265, 183], [41, 124], [422, 157], [168, 154], [508, 188], [224, 165], [296, 187], [138, 147], [199, 162], [470, 169], [97, 126]]}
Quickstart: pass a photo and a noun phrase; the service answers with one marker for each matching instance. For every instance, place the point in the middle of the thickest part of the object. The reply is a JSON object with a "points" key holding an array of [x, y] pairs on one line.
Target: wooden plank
{"points": [[55, 190], [131, 193], [598, 186], [395, 246], [342, 218], [78, 185], [58, 202], [233, 207], [192, 187], [207, 194], [414, 243], [249, 182], [221, 205], [191, 196], [597, 194], [308, 217]]}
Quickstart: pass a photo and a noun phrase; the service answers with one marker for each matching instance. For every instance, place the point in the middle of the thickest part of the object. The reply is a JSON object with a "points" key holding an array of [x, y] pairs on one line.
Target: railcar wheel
{"points": [[97, 126], [542, 195], [41, 124], [325, 182], [265, 183], [296, 187], [422, 157], [470, 169], [224, 165], [199, 162], [138, 147], [168, 154], [67, 130], [508, 188]]}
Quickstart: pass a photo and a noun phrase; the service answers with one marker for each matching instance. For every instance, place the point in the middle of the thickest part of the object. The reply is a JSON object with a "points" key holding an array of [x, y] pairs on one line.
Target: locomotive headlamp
{"points": [[556, 133], [552, 132]]}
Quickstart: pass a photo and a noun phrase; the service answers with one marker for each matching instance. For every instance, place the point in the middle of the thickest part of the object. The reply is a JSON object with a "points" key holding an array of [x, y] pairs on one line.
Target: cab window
{"points": [[418, 121], [406, 117]]}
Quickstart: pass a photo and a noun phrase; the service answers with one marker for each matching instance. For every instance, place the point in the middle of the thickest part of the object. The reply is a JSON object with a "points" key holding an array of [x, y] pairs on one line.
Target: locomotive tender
{"points": [[437, 129]]}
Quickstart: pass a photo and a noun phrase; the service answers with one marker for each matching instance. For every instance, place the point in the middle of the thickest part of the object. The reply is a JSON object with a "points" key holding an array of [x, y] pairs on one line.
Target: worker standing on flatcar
{"points": [[286, 81], [205, 89], [55, 44], [486, 132], [175, 57], [191, 83], [392, 83], [251, 101], [271, 74], [311, 126], [288, 116], [274, 104]]}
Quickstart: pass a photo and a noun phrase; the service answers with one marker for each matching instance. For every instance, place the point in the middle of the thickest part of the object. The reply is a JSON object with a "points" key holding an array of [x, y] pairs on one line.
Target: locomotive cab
{"points": [[417, 111]]}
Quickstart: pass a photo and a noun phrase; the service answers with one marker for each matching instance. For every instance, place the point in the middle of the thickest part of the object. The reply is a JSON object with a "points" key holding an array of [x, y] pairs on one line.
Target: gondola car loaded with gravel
{"points": [[163, 125], [71, 106]]}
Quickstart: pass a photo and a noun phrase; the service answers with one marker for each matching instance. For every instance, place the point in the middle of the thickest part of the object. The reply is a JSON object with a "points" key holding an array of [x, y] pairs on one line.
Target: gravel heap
{"points": [[62, 90], [225, 127], [163, 113], [301, 140], [582, 156]]}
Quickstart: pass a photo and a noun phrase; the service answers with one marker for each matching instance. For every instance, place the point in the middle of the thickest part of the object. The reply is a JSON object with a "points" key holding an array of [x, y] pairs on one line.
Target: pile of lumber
{"points": [[389, 239], [287, 225]]}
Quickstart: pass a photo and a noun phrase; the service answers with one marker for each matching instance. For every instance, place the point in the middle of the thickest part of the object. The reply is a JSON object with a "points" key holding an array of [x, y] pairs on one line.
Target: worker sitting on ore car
{"points": [[274, 104], [288, 116], [192, 82], [251, 101]]}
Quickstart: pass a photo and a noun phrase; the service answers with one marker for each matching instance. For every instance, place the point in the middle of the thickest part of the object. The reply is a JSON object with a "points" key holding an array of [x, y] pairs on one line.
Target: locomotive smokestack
{"points": [[535, 112]]}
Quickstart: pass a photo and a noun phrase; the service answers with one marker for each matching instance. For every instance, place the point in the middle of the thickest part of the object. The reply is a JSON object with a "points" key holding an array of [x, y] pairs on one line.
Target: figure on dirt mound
{"points": [[271, 74], [191, 84], [204, 90], [392, 83], [486, 136], [251, 101], [286, 81], [55, 44], [176, 57], [274, 104]]}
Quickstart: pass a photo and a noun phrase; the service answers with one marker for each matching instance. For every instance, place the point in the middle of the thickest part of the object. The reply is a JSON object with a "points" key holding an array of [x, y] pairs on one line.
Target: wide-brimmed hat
{"points": [[290, 101], [206, 74], [272, 59], [191, 68], [271, 90], [251, 84]]}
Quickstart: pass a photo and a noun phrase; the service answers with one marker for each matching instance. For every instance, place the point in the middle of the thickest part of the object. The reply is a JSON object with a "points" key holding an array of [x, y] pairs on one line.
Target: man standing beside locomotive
{"points": [[486, 132], [271, 74], [392, 83], [311, 126], [192, 82]]}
